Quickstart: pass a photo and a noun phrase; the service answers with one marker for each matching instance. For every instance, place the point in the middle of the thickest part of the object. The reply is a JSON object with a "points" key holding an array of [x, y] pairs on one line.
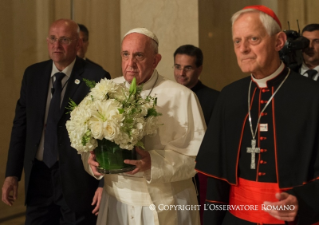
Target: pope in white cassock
{"points": [[163, 173]]}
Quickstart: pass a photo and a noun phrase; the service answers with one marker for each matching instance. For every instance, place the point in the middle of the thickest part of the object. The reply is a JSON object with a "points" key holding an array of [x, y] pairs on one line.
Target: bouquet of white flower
{"points": [[113, 116]]}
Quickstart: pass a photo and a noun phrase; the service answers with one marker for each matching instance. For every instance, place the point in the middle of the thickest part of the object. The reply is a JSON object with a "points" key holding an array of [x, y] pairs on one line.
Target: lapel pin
{"points": [[77, 81]]}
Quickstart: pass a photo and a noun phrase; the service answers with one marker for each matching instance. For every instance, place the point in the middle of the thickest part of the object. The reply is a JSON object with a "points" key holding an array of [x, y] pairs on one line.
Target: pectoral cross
{"points": [[253, 150]]}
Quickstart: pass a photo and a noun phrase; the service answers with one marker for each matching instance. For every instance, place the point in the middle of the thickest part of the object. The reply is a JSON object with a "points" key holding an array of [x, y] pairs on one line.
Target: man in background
{"points": [[57, 188], [310, 65], [188, 65], [84, 36]]}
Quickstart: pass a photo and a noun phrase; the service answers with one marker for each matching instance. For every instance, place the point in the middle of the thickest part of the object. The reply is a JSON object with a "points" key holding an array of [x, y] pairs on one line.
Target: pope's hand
{"points": [[10, 185], [93, 164], [287, 200], [142, 164]]}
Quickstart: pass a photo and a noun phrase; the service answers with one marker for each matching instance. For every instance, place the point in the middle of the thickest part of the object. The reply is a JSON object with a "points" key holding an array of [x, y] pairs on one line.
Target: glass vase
{"points": [[111, 157]]}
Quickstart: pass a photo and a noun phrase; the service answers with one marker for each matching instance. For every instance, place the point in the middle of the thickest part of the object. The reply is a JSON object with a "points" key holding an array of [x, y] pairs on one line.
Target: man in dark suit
{"points": [[84, 35], [310, 65], [188, 65], [58, 190]]}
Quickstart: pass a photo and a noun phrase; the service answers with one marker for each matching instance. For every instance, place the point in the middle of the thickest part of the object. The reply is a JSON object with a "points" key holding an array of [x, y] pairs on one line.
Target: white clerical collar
{"points": [[149, 83], [262, 83], [304, 69], [67, 70]]}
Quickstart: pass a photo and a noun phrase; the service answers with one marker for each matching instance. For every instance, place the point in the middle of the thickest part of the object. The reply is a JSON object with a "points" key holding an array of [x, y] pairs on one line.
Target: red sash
{"points": [[251, 195]]}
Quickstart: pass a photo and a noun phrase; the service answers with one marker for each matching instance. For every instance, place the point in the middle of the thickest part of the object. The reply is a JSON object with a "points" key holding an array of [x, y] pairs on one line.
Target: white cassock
{"points": [[168, 184]]}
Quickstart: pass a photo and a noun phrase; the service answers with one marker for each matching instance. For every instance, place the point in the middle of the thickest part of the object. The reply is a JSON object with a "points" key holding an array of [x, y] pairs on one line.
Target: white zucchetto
{"points": [[144, 31]]}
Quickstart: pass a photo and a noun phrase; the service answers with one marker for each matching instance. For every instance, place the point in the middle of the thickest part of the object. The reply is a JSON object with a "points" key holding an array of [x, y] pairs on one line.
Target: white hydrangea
{"points": [[151, 125], [101, 89], [107, 112]]}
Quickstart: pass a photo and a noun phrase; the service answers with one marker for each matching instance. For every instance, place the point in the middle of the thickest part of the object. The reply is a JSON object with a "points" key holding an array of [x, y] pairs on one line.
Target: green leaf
{"points": [[71, 105], [108, 145], [133, 111], [121, 111], [152, 112], [133, 87], [86, 138], [139, 89], [140, 144], [129, 120], [155, 101], [89, 83]]}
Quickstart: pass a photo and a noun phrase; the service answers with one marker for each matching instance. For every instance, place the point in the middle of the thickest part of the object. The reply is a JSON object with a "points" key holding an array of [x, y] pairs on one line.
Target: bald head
{"points": [[63, 42], [69, 24]]}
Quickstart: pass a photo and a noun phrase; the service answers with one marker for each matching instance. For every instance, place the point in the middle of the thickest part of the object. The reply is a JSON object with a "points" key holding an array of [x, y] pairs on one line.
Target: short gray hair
{"points": [[271, 26], [154, 46]]}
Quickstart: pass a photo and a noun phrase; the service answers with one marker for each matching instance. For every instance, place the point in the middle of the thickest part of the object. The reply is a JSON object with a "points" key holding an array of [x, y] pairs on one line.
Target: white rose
{"points": [[110, 130], [97, 129]]}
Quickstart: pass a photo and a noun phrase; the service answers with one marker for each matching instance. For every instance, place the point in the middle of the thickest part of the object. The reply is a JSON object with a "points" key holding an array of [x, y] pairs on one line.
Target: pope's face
{"points": [[311, 54], [138, 58], [256, 50]]}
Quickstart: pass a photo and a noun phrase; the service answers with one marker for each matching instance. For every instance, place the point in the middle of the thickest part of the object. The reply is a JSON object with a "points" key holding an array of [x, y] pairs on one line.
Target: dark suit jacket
{"points": [[90, 61], [78, 187], [207, 98]]}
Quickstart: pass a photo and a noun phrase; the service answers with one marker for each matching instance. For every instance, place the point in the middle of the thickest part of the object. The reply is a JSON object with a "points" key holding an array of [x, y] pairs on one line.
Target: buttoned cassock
{"points": [[288, 150]]}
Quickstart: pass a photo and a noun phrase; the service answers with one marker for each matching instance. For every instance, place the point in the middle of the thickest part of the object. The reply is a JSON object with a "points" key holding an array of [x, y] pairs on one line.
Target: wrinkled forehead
{"points": [[248, 23], [250, 17]]}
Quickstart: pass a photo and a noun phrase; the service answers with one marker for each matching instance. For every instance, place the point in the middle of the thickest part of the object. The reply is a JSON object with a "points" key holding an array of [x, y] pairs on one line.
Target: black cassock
{"points": [[289, 148]]}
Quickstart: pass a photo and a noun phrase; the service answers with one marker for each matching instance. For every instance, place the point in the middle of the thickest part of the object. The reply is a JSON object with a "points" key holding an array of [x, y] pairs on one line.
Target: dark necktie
{"points": [[311, 73], [50, 153]]}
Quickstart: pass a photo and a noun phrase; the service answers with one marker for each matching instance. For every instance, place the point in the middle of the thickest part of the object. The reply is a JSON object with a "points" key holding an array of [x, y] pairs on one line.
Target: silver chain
{"points": [[250, 123]]}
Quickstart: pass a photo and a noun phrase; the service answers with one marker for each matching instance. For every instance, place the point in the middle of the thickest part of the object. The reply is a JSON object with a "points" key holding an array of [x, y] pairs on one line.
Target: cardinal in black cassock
{"points": [[272, 146]]}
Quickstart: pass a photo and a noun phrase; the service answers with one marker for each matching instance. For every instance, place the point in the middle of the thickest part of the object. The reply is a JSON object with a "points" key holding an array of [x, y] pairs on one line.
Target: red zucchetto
{"points": [[266, 10]]}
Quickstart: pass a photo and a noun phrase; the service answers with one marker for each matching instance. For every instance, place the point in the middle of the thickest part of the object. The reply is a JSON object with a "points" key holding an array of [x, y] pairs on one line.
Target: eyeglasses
{"points": [[62, 40], [186, 68]]}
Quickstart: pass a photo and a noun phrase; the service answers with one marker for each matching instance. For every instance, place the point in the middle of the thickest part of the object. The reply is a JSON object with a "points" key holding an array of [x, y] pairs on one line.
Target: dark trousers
{"points": [[46, 204]]}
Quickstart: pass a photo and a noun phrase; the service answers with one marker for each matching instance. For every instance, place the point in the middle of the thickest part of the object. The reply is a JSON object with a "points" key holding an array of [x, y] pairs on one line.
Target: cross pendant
{"points": [[253, 150]]}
